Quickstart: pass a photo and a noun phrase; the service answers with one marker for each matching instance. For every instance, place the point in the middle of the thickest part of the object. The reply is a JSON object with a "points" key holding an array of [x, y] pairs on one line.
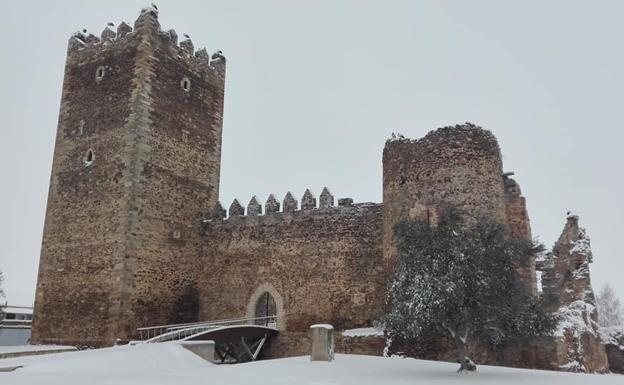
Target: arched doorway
{"points": [[266, 301], [266, 310]]}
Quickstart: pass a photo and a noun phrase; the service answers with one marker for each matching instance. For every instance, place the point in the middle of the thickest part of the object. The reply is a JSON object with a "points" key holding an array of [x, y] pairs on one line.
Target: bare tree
{"points": [[609, 308], [1, 279], [1, 295]]}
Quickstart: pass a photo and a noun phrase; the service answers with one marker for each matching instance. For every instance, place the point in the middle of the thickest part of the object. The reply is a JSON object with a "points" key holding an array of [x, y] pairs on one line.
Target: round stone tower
{"points": [[456, 166]]}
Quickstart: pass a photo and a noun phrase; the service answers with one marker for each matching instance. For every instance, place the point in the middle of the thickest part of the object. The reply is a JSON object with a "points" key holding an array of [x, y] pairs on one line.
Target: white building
{"points": [[15, 325]]}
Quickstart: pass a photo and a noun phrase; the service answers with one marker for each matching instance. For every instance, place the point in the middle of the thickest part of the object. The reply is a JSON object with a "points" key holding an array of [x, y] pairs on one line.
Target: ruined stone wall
{"points": [[567, 289], [515, 209], [452, 166], [613, 341], [320, 264], [535, 354], [458, 166], [122, 224], [519, 228]]}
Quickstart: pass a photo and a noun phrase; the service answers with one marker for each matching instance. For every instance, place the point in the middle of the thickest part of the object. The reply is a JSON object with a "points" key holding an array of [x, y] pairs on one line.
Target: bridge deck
{"points": [[236, 340], [225, 334]]}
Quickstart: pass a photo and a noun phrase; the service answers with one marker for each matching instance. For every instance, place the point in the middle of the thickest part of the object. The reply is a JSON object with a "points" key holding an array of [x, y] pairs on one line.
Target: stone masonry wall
{"points": [[177, 179], [83, 240], [122, 236], [320, 264], [613, 340], [290, 344], [459, 166], [515, 209], [567, 289], [535, 354], [520, 228]]}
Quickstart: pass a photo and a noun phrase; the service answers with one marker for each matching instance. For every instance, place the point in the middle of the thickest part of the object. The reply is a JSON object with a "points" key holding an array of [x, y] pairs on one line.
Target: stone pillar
{"points": [[322, 342]]}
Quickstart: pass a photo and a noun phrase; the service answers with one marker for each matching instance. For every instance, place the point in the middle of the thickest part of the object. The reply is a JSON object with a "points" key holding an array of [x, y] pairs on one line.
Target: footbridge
{"points": [[236, 339]]}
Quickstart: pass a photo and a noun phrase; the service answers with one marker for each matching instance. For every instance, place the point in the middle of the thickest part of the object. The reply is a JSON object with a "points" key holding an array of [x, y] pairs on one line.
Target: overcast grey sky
{"points": [[314, 88]]}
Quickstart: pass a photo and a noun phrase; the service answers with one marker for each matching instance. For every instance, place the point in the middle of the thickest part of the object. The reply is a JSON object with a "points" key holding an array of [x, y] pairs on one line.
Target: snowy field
{"points": [[33, 348], [169, 363]]}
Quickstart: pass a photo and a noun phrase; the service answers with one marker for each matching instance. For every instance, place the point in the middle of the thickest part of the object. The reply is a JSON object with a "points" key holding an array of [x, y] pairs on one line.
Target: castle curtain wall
{"points": [[324, 264]]}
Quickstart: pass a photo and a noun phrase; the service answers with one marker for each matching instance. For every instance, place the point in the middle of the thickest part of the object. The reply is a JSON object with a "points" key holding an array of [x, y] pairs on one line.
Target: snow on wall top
{"points": [[322, 326], [363, 332]]}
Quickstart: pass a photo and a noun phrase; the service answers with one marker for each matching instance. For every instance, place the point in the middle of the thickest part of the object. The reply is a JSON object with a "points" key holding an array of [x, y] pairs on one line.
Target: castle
{"points": [[135, 236]]}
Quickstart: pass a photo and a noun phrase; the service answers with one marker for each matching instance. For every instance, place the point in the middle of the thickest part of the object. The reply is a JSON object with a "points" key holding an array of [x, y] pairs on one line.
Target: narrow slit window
{"points": [[89, 158], [99, 73], [186, 84]]}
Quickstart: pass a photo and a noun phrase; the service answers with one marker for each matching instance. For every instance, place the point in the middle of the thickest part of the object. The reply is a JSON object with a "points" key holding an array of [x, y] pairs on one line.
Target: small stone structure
{"points": [[321, 342], [135, 236]]}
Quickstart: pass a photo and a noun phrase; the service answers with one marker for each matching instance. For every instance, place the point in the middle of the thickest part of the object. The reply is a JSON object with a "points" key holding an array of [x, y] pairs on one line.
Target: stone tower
{"points": [[457, 166], [136, 166]]}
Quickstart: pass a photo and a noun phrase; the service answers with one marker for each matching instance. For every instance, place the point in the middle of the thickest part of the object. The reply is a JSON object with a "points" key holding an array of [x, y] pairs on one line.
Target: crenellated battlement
{"points": [[82, 43], [253, 213]]}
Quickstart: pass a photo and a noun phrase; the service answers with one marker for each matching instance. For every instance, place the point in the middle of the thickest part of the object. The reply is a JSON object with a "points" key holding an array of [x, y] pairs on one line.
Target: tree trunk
{"points": [[465, 363]]}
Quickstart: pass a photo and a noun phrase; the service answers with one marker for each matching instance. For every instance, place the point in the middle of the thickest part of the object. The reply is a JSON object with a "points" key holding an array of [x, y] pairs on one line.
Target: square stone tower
{"points": [[136, 166]]}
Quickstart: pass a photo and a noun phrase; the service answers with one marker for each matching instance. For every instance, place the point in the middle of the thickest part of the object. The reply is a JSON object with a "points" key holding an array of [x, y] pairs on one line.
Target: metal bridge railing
{"points": [[174, 332]]}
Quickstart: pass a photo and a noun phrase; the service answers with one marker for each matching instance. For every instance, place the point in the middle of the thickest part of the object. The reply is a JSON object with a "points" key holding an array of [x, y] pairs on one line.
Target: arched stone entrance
{"points": [[267, 304], [266, 311]]}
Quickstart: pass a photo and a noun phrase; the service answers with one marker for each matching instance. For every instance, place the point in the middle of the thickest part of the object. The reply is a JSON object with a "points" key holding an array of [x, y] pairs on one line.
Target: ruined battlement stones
{"points": [[459, 166], [567, 286]]}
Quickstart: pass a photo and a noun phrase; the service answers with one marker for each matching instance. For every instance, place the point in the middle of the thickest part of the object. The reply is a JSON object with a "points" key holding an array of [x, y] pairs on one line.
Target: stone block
{"points": [[272, 205], [321, 342], [290, 203], [326, 199], [308, 201], [254, 208], [345, 202]]}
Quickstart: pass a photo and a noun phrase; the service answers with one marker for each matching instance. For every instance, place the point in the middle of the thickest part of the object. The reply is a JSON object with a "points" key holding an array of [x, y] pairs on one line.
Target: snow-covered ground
{"points": [[363, 332], [33, 348], [169, 363]]}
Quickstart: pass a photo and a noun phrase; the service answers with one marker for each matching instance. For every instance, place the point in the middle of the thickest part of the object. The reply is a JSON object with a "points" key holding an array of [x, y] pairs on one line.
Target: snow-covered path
{"points": [[168, 363]]}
